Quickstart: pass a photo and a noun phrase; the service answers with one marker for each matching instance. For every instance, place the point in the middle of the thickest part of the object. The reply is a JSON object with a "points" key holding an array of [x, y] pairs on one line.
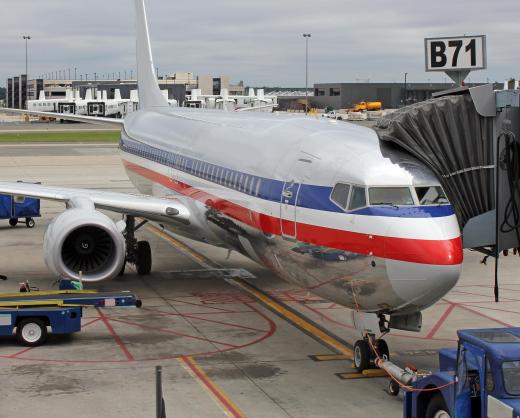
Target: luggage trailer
{"points": [[32, 313]]}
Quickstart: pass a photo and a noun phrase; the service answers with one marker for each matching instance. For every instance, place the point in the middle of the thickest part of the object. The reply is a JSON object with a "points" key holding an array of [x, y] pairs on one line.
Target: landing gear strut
{"points": [[364, 356], [137, 252]]}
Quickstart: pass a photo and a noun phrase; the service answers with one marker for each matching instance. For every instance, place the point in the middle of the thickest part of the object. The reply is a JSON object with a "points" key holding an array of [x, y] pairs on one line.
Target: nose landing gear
{"points": [[137, 252], [364, 355], [365, 349]]}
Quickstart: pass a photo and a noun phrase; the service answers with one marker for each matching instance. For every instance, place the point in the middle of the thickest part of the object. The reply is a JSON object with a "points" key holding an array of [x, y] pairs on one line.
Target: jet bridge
{"points": [[470, 137]]}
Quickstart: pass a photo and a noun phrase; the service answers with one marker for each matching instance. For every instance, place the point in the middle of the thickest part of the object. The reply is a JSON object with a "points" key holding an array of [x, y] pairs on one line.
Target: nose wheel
{"points": [[364, 355], [138, 253]]}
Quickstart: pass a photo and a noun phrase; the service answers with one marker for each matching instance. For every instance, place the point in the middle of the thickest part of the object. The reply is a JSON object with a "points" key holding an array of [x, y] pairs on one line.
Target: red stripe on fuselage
{"points": [[437, 252]]}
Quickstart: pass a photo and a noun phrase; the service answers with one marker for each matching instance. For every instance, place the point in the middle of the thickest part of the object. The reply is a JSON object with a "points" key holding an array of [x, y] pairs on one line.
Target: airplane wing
{"points": [[249, 109], [67, 116], [149, 207]]}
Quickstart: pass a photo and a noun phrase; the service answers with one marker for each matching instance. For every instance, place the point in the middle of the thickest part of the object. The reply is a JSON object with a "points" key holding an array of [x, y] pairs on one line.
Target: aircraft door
{"points": [[288, 201]]}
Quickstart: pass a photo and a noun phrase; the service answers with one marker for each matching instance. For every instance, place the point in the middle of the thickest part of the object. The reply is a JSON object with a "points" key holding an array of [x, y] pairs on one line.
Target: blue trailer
{"points": [[32, 313], [480, 378], [31, 323], [14, 209]]}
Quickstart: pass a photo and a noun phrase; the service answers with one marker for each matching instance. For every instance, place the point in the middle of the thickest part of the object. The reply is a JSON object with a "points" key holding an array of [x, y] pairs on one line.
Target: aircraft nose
{"points": [[424, 273]]}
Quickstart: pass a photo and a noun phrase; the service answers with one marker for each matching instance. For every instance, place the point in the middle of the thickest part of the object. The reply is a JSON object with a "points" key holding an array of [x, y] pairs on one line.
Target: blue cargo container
{"points": [[13, 209]]}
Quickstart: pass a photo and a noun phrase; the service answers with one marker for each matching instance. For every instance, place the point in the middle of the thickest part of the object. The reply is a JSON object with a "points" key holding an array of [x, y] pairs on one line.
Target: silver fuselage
{"points": [[260, 184]]}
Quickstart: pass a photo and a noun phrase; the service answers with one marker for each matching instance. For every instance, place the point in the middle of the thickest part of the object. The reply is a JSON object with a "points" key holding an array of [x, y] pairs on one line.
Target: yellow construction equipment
{"points": [[369, 106]]}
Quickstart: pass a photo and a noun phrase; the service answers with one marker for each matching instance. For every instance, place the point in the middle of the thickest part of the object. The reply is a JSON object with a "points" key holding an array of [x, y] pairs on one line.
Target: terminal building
{"points": [[19, 90], [391, 95]]}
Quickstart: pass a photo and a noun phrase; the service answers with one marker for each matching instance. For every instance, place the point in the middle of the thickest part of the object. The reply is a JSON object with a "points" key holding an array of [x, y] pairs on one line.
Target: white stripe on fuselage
{"points": [[435, 228]]}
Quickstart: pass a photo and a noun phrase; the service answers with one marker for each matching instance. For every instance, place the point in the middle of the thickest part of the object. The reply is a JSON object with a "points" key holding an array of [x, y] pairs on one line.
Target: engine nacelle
{"points": [[84, 240]]}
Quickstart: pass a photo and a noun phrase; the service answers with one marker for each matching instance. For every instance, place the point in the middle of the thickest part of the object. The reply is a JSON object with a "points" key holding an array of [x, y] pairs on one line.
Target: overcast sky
{"points": [[259, 42]]}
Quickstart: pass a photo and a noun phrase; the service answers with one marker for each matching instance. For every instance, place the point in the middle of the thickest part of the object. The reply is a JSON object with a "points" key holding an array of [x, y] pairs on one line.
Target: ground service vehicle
{"points": [[480, 378], [361, 106], [31, 313]]}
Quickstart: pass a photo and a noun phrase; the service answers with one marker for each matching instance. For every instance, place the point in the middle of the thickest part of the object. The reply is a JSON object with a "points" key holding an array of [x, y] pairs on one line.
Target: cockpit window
{"points": [[340, 195], [390, 196], [358, 198], [431, 195]]}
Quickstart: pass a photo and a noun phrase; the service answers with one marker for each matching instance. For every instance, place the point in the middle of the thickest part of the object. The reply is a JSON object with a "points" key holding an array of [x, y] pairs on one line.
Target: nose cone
{"points": [[421, 285], [423, 260]]}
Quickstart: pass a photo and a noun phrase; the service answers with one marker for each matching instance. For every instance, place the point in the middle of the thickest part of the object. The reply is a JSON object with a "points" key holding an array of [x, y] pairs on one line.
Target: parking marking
{"points": [[223, 401], [320, 334], [330, 357], [366, 374], [114, 334]]}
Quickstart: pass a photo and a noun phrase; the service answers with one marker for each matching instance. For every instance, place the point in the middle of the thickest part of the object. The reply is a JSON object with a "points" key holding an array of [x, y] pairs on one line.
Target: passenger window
{"points": [[431, 195], [339, 195], [390, 196], [258, 184], [357, 198]]}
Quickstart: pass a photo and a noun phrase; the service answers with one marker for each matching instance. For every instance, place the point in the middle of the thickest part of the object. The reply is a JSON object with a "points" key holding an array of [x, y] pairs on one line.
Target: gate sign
{"points": [[461, 53]]}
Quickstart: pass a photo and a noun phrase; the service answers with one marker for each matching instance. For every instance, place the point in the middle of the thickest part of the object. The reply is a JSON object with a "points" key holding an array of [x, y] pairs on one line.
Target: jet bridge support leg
{"points": [[137, 252]]}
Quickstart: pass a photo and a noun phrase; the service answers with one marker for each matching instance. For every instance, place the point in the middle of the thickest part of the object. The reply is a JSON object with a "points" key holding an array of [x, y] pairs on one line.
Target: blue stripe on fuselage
{"points": [[407, 211], [309, 196]]}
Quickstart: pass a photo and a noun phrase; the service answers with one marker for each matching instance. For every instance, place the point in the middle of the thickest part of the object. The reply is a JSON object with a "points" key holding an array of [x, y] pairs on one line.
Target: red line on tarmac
{"points": [[498, 321], [441, 321], [160, 312], [478, 294], [497, 309], [169, 331], [90, 322], [25, 350], [229, 324], [200, 305], [117, 338]]}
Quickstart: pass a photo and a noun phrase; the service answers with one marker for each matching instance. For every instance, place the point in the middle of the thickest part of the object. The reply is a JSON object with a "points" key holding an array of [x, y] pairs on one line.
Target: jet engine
{"points": [[86, 241]]}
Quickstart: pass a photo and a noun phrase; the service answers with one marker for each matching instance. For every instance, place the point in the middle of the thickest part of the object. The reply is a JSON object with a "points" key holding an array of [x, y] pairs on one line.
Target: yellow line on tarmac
{"points": [[369, 373], [293, 317], [296, 319], [183, 248], [46, 293], [330, 357], [218, 395]]}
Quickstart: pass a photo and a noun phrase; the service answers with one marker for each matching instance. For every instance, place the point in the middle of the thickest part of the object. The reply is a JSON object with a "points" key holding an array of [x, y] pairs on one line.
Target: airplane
{"points": [[324, 205]]}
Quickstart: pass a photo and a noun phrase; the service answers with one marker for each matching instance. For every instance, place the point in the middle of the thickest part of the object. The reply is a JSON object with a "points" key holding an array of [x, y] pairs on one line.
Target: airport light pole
{"points": [[75, 73], [405, 89], [306, 36], [26, 38]]}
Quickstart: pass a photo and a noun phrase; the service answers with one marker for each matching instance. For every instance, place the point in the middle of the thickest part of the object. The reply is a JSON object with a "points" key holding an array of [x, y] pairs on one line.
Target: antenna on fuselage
{"points": [[149, 93]]}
